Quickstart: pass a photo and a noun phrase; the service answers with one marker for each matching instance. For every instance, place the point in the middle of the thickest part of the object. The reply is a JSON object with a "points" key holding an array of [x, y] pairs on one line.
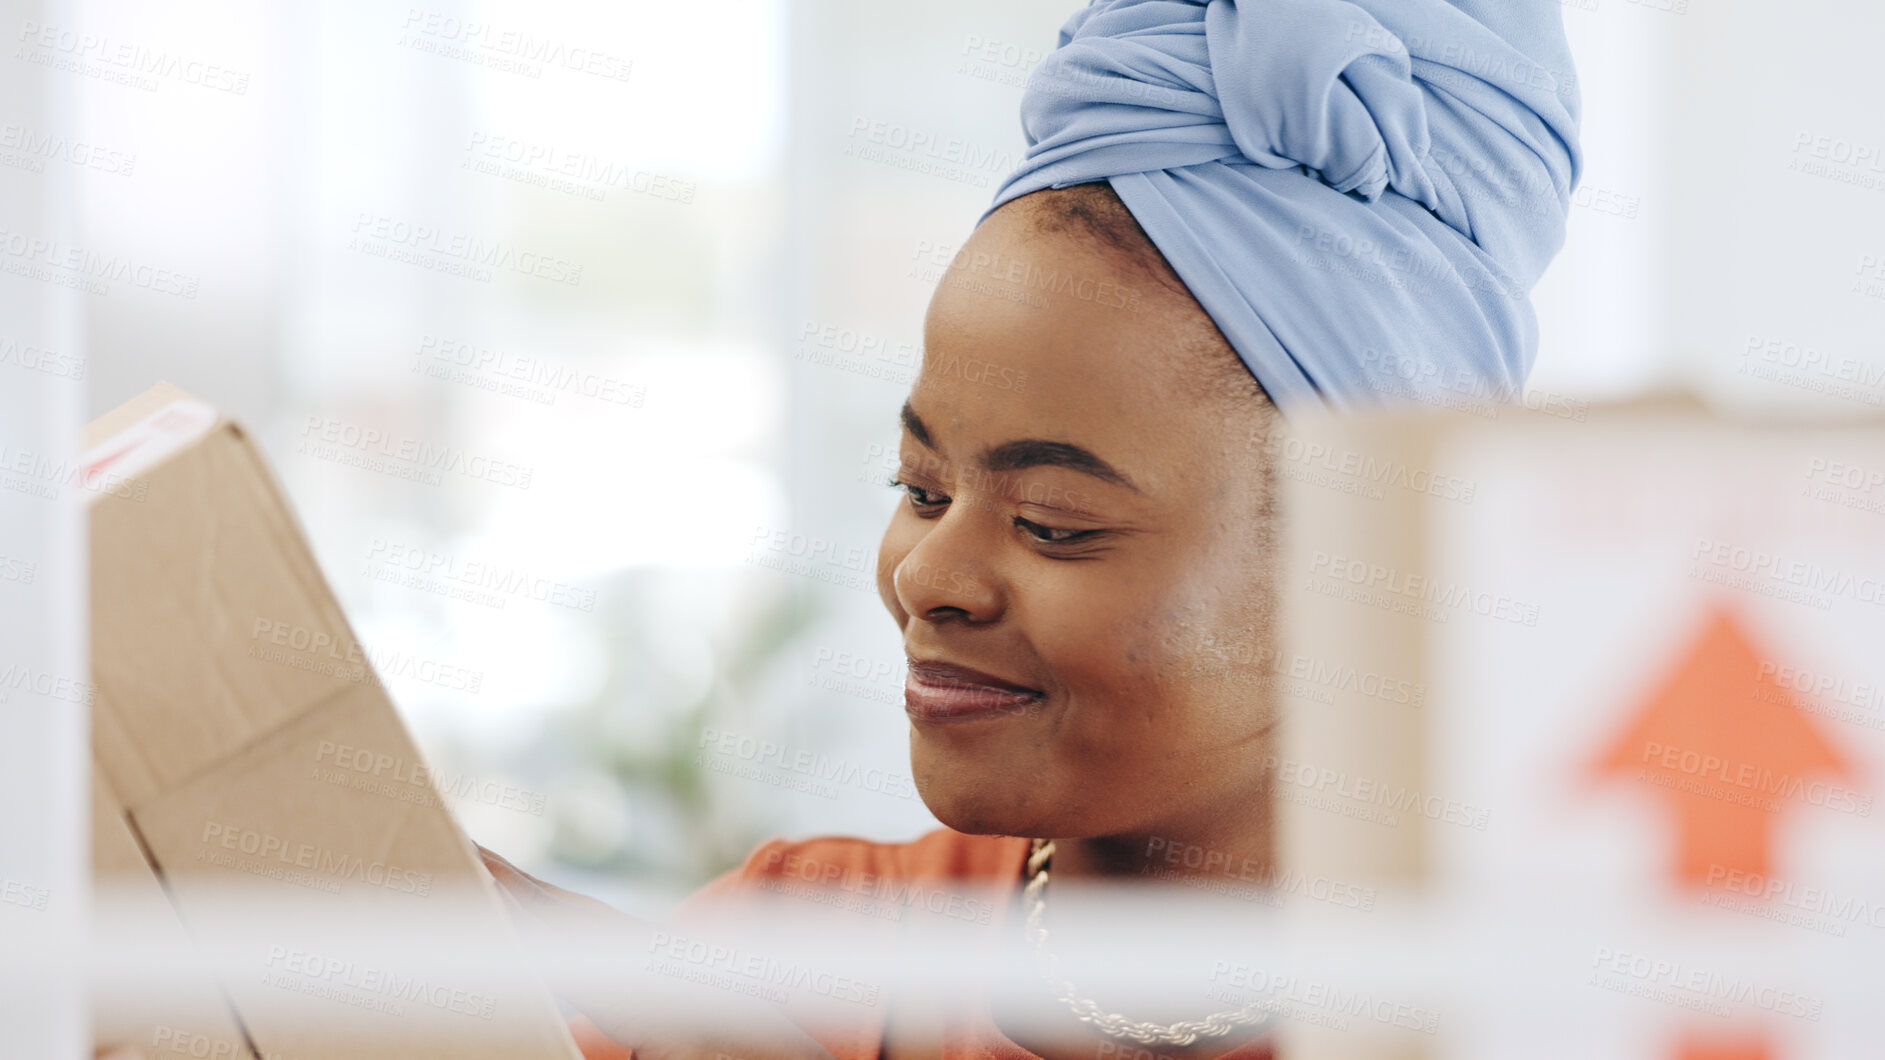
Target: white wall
{"points": [[44, 746]]}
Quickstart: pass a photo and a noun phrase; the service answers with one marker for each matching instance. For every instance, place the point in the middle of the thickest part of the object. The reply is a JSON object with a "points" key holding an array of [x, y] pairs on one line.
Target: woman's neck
{"points": [[1219, 869], [1249, 860], [1215, 845]]}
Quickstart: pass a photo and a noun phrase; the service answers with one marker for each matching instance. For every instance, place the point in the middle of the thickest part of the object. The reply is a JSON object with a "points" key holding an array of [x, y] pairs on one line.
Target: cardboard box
{"points": [[1575, 681], [257, 759], [183, 1011]]}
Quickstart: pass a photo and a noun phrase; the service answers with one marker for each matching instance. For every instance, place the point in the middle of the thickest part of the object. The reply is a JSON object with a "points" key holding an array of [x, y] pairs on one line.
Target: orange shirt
{"points": [[866, 868]]}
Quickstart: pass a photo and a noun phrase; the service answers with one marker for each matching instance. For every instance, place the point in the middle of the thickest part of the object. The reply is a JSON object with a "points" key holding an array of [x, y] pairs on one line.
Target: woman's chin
{"points": [[973, 821], [978, 808]]}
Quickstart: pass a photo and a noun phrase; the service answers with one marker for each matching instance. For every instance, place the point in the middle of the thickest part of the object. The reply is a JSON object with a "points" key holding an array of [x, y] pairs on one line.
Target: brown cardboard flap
{"points": [[182, 580], [185, 1012], [234, 712], [334, 812]]}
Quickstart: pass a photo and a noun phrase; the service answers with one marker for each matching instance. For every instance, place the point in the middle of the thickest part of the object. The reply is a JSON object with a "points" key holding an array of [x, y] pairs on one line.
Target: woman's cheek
{"points": [[1177, 621], [1085, 623]]}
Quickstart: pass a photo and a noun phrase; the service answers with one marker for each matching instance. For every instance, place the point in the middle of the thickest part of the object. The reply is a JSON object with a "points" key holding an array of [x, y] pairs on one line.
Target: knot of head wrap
{"points": [[1360, 194]]}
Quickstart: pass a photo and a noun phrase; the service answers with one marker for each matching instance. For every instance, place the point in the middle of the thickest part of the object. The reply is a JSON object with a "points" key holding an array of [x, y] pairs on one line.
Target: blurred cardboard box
{"points": [[254, 774], [1569, 682], [184, 1012]]}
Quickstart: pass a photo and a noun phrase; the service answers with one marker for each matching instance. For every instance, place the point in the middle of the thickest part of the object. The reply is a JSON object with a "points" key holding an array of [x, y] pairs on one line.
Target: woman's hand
{"points": [[630, 1011]]}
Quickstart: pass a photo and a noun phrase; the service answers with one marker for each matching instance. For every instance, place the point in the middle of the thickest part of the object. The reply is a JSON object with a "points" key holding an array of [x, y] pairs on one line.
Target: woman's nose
{"points": [[943, 578]]}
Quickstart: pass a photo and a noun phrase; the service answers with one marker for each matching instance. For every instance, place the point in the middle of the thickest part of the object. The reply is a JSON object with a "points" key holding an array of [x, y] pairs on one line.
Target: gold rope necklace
{"points": [[1112, 1024]]}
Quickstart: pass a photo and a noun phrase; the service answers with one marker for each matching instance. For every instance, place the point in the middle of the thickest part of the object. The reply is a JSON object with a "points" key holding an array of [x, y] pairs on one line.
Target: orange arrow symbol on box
{"points": [[1708, 1049], [1728, 748]]}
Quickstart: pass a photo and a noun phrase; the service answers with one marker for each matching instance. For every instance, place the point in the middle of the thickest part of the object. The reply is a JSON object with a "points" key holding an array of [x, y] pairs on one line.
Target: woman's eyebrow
{"points": [[1029, 452], [1037, 452], [915, 425]]}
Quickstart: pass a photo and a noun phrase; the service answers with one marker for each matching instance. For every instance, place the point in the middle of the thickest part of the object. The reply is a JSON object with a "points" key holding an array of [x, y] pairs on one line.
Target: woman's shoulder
{"points": [[863, 866], [836, 859]]}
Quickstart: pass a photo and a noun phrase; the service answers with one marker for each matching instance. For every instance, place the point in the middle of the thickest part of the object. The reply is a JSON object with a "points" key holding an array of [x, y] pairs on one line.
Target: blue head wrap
{"points": [[1360, 194]]}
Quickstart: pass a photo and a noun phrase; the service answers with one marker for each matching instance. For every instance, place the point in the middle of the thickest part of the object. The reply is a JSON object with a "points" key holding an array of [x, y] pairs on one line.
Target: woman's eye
{"points": [[1052, 535], [919, 497]]}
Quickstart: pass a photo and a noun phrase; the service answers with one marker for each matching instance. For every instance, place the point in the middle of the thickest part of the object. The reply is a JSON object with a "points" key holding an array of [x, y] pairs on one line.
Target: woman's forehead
{"points": [[1049, 306], [1123, 436], [1049, 333]]}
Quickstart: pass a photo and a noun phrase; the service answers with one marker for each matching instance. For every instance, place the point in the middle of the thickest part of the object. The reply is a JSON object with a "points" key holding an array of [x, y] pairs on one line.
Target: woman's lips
{"points": [[940, 691]]}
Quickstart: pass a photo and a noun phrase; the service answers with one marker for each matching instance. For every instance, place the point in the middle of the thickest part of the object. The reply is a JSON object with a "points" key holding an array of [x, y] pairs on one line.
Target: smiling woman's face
{"points": [[1081, 563]]}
